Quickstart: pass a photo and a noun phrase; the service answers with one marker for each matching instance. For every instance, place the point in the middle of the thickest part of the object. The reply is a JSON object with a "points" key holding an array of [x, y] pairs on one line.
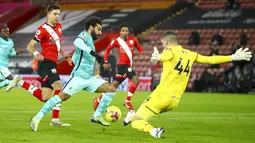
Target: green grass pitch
{"points": [[199, 118]]}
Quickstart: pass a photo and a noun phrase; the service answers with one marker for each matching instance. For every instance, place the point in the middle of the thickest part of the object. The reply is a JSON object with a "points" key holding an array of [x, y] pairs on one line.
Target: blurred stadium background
{"points": [[208, 27]]}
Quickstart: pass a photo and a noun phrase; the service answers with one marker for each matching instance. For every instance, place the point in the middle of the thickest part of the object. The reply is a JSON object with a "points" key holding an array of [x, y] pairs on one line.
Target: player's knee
{"points": [[110, 89], [57, 85], [64, 96], [45, 98], [136, 81]]}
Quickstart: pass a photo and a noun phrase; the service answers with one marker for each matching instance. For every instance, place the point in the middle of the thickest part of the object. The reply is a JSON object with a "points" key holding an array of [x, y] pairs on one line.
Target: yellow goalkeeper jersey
{"points": [[177, 64]]}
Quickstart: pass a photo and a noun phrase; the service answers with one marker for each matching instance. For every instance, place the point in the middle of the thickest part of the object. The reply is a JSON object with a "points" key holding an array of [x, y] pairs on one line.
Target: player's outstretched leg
{"points": [[144, 126], [131, 91], [55, 121], [48, 106], [97, 100], [109, 93], [139, 121], [17, 81]]}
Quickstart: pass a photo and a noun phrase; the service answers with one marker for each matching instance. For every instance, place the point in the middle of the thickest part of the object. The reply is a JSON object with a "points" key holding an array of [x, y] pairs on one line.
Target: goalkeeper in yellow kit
{"points": [[177, 64]]}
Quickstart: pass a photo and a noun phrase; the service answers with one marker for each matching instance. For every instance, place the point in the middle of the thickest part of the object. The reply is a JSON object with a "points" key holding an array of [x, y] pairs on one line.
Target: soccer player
{"points": [[49, 36], [177, 64], [6, 50], [125, 45], [82, 77]]}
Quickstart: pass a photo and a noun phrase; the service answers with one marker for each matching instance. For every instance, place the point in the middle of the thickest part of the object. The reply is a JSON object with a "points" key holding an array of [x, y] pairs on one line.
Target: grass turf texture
{"points": [[199, 118]]}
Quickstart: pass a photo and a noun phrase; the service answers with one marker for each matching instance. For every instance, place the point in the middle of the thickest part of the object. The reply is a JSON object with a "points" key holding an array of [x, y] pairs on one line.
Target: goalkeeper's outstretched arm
{"points": [[241, 54]]}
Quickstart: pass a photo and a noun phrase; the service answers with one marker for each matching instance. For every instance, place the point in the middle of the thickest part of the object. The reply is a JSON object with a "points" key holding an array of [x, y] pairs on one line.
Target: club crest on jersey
{"points": [[131, 42], [38, 32]]}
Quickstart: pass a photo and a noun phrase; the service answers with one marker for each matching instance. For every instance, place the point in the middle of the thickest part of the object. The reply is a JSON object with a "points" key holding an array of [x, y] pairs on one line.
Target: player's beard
{"points": [[94, 35], [125, 37]]}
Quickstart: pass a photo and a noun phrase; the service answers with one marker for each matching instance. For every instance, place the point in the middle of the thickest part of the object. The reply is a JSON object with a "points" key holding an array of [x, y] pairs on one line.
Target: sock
{"points": [[142, 125], [35, 91], [131, 91], [100, 97], [56, 109], [52, 102], [5, 82], [104, 103]]}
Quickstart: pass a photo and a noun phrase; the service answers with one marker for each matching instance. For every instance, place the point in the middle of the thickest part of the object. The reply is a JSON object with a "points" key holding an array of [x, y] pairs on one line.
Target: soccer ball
{"points": [[112, 114]]}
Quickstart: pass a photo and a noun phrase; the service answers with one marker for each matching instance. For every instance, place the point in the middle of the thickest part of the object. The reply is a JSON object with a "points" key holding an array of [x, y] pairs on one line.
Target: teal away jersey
{"points": [[84, 62], [6, 50]]}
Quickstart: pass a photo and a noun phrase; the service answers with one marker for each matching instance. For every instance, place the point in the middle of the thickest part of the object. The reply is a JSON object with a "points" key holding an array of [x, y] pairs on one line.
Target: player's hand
{"points": [[19, 51], [242, 54], [155, 50], [39, 57], [106, 66], [69, 60], [155, 56]]}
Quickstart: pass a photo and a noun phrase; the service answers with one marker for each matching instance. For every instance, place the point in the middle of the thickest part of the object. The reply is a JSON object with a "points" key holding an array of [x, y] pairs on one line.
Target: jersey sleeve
{"points": [[13, 53], [108, 49], [83, 36], [39, 34], [138, 46], [80, 42], [194, 55], [212, 59], [166, 55]]}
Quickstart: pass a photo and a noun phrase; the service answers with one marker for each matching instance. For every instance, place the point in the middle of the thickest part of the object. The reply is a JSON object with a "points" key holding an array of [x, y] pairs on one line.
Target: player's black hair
{"points": [[53, 7], [123, 25], [93, 21], [168, 33]]}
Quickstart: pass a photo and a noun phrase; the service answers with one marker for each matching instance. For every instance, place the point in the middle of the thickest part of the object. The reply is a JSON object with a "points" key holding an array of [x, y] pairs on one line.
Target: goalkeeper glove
{"points": [[98, 57], [241, 54], [155, 56]]}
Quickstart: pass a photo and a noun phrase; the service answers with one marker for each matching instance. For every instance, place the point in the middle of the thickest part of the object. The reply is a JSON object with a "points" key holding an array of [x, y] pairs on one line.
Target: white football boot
{"points": [[57, 122], [157, 132], [34, 124], [127, 120], [13, 83]]}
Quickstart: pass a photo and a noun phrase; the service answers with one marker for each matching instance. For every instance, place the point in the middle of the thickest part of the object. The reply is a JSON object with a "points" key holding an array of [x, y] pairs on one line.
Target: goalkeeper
{"points": [[177, 64]]}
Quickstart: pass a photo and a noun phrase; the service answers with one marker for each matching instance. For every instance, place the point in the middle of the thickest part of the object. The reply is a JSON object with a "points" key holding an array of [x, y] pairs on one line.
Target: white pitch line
{"points": [[84, 119], [173, 113]]}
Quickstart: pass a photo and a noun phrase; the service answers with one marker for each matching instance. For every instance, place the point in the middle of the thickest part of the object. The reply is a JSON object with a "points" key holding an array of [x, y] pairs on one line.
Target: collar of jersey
{"points": [[4, 38], [50, 25], [174, 47]]}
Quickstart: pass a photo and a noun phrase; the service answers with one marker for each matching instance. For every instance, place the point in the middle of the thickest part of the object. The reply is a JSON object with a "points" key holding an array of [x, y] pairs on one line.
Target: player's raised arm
{"points": [[165, 56], [240, 54], [138, 46], [106, 54], [107, 50]]}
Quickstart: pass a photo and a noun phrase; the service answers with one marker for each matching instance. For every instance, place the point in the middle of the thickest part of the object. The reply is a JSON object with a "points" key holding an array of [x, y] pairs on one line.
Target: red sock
{"points": [[33, 90], [56, 109], [100, 97], [131, 91]]}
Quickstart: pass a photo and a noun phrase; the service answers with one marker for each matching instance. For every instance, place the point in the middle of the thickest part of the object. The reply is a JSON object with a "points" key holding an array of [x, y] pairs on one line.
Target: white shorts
{"points": [[4, 73], [76, 84]]}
